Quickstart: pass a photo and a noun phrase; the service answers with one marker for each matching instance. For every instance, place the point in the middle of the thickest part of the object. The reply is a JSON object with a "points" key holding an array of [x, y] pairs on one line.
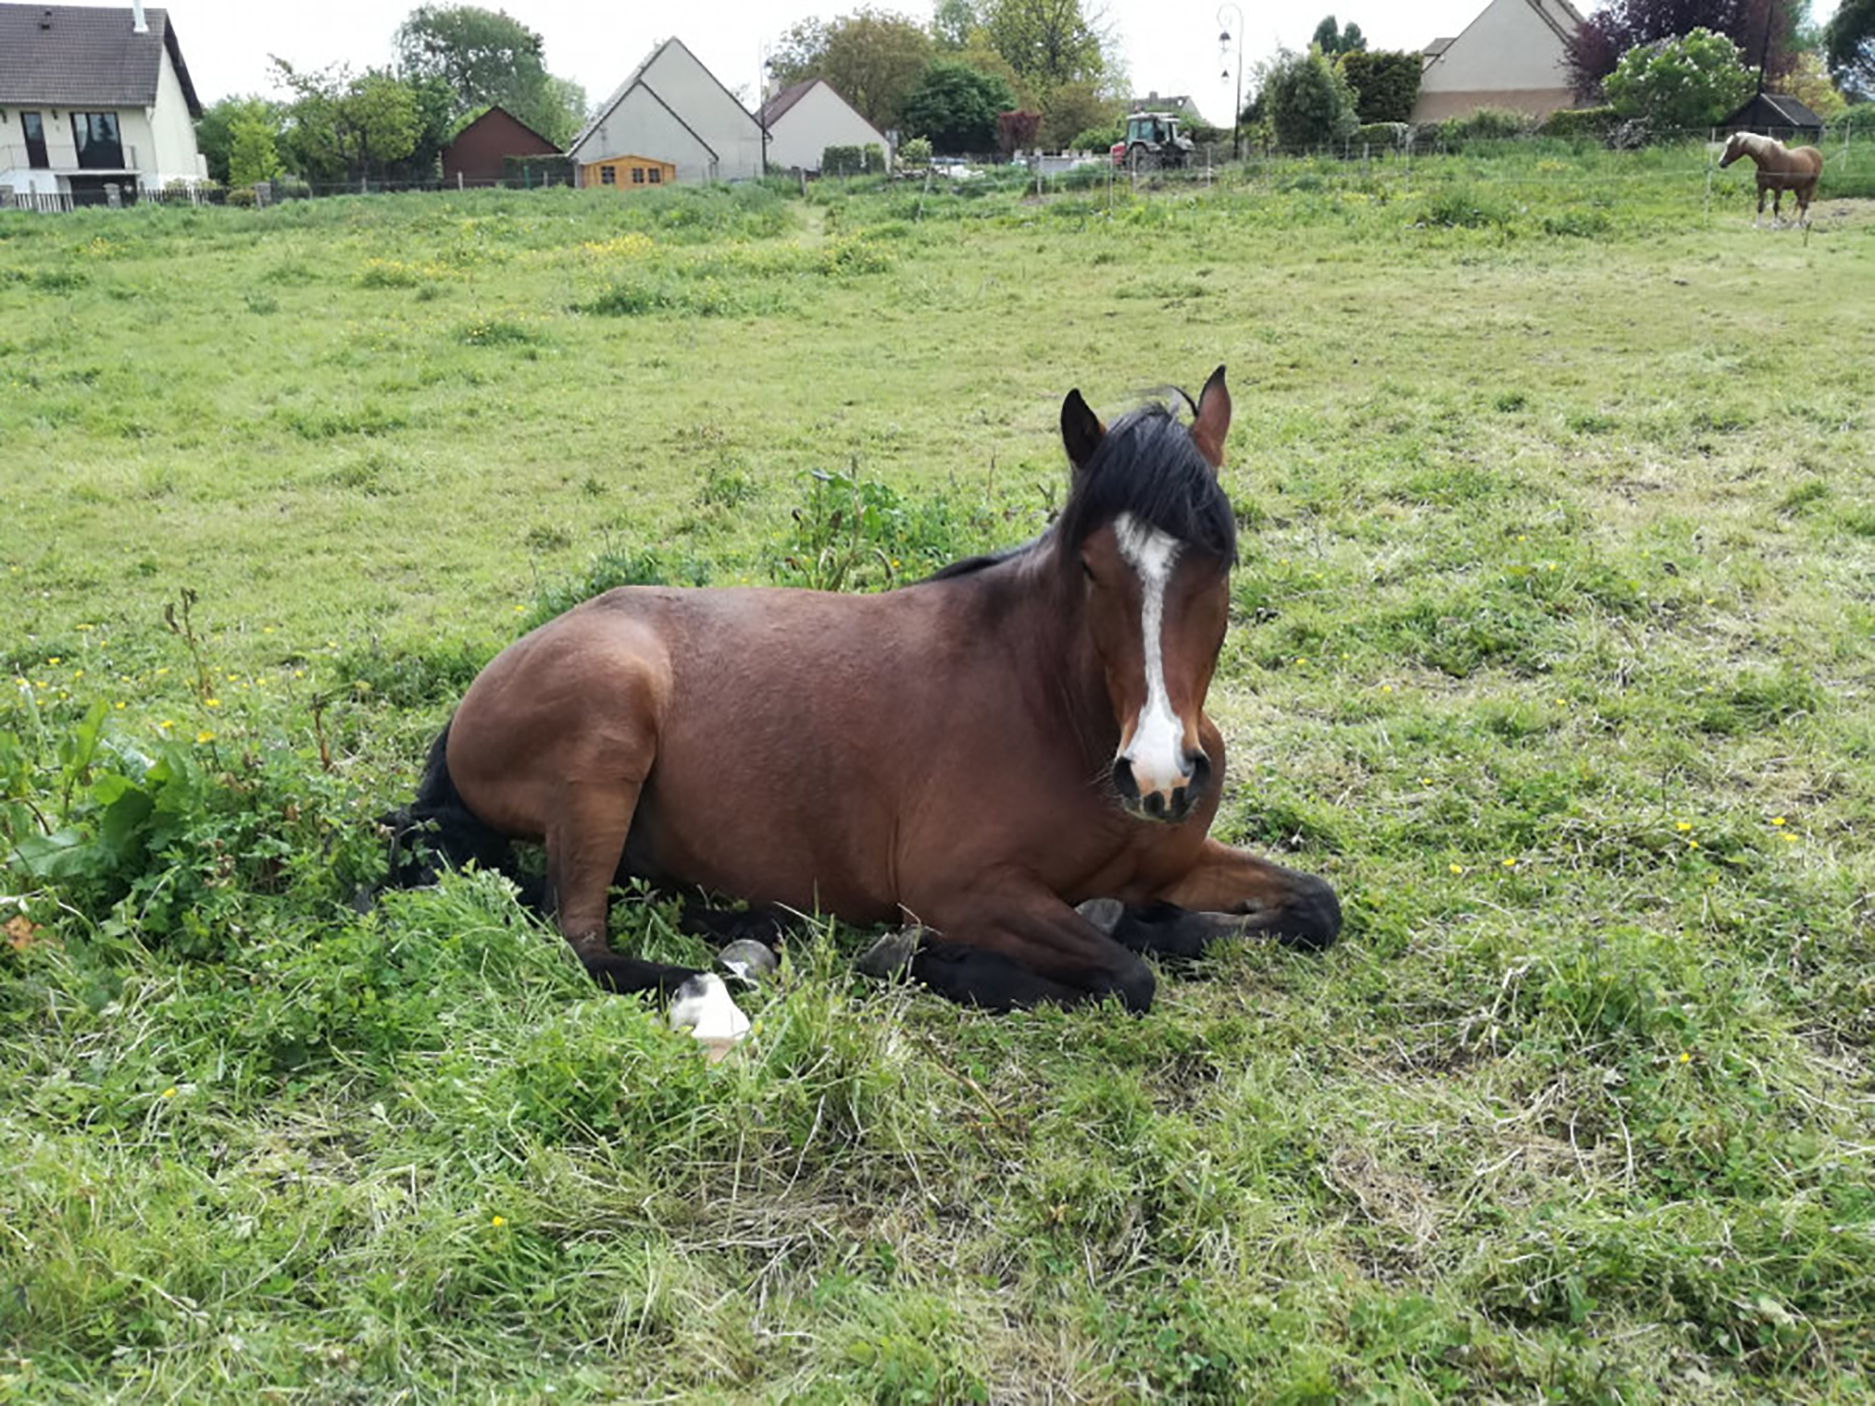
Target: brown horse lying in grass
{"points": [[1780, 168], [980, 752]]}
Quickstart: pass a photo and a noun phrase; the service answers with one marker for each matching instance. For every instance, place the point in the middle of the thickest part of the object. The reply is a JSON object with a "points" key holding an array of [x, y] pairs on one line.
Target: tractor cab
{"points": [[1153, 140]]}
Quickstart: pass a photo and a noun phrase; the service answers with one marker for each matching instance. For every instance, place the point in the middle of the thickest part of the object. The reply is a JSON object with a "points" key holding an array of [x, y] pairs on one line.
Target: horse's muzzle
{"points": [[1169, 801]]}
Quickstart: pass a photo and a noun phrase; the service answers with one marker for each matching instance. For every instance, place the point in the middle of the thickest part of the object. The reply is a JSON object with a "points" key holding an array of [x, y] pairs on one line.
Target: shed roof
{"points": [[771, 111], [498, 116], [78, 54], [1778, 109]]}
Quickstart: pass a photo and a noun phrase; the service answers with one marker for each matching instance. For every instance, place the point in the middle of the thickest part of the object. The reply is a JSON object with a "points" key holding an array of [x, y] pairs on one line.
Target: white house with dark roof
{"points": [[804, 120], [92, 96], [1512, 55], [672, 109]]}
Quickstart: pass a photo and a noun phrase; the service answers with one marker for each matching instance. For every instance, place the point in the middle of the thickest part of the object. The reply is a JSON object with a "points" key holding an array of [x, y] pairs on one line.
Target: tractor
{"points": [[1153, 141]]}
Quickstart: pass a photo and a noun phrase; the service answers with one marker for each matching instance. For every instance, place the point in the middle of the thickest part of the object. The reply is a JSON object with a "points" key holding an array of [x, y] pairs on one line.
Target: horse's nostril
{"points": [[1123, 780]]}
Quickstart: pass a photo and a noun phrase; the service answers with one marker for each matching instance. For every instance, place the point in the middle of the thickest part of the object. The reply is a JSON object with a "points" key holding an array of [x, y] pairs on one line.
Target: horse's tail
{"points": [[438, 829]]}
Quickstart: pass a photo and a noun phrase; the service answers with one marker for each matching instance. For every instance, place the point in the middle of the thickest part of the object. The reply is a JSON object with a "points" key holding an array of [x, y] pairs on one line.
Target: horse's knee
{"points": [[1311, 917]]}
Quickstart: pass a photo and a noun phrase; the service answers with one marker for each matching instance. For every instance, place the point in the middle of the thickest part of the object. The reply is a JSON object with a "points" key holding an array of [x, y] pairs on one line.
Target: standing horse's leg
{"points": [[585, 841], [1758, 219], [1023, 946], [1230, 891]]}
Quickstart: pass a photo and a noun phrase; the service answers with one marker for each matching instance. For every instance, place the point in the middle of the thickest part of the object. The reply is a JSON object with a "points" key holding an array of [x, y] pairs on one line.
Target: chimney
{"points": [[137, 26]]}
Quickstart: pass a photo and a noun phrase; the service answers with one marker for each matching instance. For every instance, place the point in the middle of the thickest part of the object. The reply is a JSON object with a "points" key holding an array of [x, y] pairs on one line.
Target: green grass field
{"points": [[1552, 651]]}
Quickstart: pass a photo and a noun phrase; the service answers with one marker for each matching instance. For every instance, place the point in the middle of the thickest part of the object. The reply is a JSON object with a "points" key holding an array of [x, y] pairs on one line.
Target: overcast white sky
{"points": [[1170, 46]]}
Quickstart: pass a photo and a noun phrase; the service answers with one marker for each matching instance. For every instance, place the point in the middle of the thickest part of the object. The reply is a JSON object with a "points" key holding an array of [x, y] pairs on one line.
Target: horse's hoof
{"points": [[892, 953], [1103, 913], [702, 1005], [748, 960]]}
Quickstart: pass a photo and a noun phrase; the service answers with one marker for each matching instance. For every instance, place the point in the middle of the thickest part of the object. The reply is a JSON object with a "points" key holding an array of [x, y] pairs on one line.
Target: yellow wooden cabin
{"points": [[628, 173]]}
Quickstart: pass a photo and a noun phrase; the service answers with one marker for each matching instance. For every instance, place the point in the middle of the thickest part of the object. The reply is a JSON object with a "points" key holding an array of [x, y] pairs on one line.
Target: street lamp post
{"points": [[1223, 45]]}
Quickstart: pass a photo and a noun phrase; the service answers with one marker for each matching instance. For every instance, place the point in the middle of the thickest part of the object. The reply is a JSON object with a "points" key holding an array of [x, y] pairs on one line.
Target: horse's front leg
{"points": [[1022, 946], [1231, 891], [1758, 219]]}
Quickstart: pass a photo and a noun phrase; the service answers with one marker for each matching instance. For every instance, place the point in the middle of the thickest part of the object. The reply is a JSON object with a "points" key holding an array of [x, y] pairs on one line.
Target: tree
{"points": [[214, 130], [1809, 82], [1047, 42], [870, 58], [252, 154], [1074, 108], [953, 22], [1849, 48], [1386, 84], [955, 107], [1332, 39], [1307, 100], [487, 58], [340, 125], [1592, 51], [1680, 83]]}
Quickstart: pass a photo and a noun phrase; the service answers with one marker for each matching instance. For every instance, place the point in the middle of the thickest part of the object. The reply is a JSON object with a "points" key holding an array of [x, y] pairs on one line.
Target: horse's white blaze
{"points": [[1156, 750]]}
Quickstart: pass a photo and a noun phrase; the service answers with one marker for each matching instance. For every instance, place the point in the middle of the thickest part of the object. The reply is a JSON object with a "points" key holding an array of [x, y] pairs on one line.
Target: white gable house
{"points": [[92, 97], [1511, 56], [673, 109], [803, 121]]}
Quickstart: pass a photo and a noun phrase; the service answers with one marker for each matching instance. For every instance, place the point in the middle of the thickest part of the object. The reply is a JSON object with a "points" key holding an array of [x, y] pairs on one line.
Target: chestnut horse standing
{"points": [[1780, 168], [979, 752]]}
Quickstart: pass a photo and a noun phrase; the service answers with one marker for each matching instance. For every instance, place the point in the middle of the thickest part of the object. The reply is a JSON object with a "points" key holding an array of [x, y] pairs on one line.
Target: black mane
{"points": [[1148, 465]]}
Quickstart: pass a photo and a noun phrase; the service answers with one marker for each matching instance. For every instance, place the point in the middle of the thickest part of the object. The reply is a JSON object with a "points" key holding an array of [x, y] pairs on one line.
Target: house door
{"points": [[35, 141]]}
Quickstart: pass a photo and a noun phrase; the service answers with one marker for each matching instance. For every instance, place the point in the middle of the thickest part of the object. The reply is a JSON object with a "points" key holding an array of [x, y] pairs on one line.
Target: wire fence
{"points": [[1508, 161]]}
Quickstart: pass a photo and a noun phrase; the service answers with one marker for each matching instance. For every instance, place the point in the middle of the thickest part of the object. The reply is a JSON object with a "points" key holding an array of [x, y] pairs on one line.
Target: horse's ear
{"points": [[1208, 431], [1081, 430]]}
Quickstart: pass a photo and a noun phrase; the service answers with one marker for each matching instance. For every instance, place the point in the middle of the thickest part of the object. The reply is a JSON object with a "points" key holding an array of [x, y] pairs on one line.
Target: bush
{"points": [[1675, 84], [1488, 124], [1575, 123], [1385, 84], [1386, 136], [916, 152], [842, 161], [1308, 101], [1097, 138], [1857, 121]]}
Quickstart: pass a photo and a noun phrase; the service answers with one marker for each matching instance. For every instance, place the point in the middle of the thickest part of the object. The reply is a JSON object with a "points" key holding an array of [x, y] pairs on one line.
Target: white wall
{"points": [[820, 118], [641, 125], [1507, 46], [171, 153]]}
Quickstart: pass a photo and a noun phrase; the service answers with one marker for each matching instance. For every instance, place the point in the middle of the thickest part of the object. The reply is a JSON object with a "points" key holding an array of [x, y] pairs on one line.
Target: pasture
{"points": [[1550, 650]]}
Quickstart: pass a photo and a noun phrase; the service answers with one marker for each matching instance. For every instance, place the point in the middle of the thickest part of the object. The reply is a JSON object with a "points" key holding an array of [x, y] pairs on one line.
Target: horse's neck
{"points": [[1043, 628]]}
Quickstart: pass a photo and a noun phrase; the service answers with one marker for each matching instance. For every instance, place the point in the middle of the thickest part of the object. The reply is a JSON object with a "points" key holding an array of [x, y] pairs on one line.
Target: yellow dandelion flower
{"points": [[1692, 844], [1683, 826], [204, 736], [1686, 1056], [1457, 868], [1777, 820], [497, 1221], [169, 1092], [1789, 837], [1510, 863], [211, 702], [53, 660], [1386, 688]]}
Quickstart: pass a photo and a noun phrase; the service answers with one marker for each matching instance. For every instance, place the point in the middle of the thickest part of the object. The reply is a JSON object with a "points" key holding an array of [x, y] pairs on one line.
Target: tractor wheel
{"points": [[1142, 160]]}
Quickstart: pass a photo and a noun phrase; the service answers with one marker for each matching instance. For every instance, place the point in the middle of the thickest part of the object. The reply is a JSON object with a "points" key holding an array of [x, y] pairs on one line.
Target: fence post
{"points": [[458, 180]]}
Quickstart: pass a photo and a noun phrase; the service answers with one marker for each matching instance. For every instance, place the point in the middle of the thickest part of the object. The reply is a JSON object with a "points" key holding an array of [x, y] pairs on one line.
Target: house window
{"points": [[35, 128], [95, 134], [656, 175], [608, 175], [638, 175]]}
